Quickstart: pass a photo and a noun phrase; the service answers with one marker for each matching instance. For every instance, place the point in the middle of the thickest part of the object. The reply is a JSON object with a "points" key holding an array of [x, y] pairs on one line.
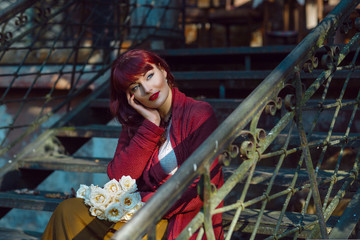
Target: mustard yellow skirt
{"points": [[72, 220]]}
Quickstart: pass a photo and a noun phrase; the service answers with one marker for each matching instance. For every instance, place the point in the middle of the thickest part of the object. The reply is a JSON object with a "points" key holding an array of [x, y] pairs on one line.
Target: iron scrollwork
{"points": [[21, 20], [248, 142], [42, 14]]}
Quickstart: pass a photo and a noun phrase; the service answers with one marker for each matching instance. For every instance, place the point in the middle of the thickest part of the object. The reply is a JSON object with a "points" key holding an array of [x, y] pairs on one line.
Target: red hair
{"points": [[125, 70]]}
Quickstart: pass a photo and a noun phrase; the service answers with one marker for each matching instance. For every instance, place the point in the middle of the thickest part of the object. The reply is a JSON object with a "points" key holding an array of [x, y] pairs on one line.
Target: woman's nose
{"points": [[147, 87]]}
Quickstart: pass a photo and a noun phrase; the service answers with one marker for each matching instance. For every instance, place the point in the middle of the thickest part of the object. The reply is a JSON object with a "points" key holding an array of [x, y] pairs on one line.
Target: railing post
{"points": [[307, 156], [208, 188]]}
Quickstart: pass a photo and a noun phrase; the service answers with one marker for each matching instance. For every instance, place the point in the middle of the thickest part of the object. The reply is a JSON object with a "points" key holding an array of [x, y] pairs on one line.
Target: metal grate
{"points": [[51, 52], [305, 153]]}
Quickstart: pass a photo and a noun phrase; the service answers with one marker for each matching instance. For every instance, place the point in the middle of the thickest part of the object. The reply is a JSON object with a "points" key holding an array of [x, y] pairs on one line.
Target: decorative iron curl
{"points": [[346, 26], [328, 60], [5, 38], [310, 64], [228, 154], [290, 102], [21, 20], [273, 106], [246, 148], [42, 14]]}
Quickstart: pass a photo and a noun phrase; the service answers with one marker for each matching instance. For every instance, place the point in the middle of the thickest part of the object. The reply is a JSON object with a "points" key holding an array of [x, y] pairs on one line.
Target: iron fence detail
{"points": [[296, 139], [289, 151], [65, 48]]}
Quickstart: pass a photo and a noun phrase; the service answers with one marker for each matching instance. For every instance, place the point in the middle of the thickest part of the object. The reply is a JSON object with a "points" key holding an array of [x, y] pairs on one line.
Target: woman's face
{"points": [[151, 89]]}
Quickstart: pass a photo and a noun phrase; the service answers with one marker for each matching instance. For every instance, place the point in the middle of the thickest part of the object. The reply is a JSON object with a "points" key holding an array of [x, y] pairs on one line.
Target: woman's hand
{"points": [[150, 114]]}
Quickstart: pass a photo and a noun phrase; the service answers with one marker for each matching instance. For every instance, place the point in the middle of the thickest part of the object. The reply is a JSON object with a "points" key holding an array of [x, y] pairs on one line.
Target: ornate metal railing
{"points": [[53, 51], [65, 48], [309, 124]]}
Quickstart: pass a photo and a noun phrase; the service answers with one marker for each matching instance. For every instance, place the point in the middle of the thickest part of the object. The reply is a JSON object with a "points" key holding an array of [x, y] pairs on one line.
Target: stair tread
{"points": [[88, 131], [230, 103], [262, 175], [65, 163], [271, 217], [241, 75], [105, 131], [47, 201], [40, 201], [225, 51], [248, 218], [15, 234]]}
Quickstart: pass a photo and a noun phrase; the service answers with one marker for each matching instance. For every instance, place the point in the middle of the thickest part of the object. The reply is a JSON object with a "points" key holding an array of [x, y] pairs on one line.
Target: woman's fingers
{"points": [[152, 115], [130, 98]]}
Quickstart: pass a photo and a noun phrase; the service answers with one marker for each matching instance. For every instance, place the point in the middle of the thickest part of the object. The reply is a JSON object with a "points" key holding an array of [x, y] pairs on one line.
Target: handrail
{"points": [[13, 9], [196, 164]]}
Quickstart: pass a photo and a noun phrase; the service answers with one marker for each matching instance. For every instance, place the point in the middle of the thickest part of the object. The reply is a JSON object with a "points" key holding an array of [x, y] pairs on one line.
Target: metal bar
{"points": [[307, 157], [276, 171], [349, 218], [192, 227], [347, 130], [170, 191], [209, 231], [15, 8]]}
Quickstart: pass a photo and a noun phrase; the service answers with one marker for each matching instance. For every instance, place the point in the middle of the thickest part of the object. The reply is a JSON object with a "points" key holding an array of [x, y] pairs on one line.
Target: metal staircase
{"points": [[57, 54]]}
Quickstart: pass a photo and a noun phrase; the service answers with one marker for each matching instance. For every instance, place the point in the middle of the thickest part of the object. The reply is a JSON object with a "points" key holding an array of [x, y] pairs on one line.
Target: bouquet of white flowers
{"points": [[116, 201]]}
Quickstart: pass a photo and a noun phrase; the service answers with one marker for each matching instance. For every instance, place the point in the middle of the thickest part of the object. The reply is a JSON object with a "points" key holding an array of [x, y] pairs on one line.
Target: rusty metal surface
{"points": [[266, 98], [301, 121]]}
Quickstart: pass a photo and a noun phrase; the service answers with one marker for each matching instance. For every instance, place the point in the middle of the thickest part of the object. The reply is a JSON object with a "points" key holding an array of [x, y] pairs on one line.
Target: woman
{"points": [[161, 129]]}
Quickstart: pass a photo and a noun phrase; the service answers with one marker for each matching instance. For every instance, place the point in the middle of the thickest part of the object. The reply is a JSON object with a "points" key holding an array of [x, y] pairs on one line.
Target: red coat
{"points": [[192, 122]]}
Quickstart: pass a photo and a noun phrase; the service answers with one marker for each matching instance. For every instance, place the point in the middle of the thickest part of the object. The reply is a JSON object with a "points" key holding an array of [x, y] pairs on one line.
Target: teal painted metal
{"points": [[241, 137], [249, 111]]}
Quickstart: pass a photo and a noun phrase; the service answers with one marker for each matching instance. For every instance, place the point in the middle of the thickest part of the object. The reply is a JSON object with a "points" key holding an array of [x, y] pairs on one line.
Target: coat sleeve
{"points": [[202, 123], [132, 154]]}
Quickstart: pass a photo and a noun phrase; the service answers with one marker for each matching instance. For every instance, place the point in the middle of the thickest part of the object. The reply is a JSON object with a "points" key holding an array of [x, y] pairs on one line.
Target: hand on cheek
{"points": [[150, 114]]}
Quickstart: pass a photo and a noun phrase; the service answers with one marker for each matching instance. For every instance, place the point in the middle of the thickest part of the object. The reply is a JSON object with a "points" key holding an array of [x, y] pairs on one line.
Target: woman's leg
{"points": [[72, 220]]}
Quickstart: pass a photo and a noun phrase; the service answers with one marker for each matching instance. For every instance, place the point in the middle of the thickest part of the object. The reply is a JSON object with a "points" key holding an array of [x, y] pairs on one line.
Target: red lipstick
{"points": [[154, 96]]}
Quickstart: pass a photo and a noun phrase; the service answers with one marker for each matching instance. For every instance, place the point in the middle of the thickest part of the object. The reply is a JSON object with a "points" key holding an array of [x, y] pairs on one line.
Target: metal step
{"points": [[240, 76], [228, 103], [89, 131], [228, 51], [248, 75], [47, 201], [38, 201], [248, 218], [214, 102], [65, 163], [15, 234], [261, 176]]}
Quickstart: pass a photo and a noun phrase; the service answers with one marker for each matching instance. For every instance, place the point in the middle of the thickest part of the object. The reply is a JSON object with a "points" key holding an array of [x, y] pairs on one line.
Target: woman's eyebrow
{"points": [[146, 72], [132, 83]]}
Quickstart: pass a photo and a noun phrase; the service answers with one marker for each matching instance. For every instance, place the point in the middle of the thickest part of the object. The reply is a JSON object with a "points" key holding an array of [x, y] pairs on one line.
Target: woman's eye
{"points": [[149, 76], [134, 88]]}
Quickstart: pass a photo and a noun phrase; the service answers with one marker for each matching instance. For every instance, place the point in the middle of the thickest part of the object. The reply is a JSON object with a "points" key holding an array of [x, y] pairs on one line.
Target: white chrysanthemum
{"points": [[131, 212], [113, 187], [96, 212], [83, 192], [127, 217], [99, 197], [114, 212], [129, 200], [128, 184]]}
